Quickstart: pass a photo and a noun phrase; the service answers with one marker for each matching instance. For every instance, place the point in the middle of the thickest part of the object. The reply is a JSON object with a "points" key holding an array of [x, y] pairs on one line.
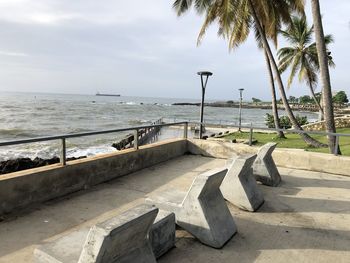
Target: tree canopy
{"points": [[340, 98]]}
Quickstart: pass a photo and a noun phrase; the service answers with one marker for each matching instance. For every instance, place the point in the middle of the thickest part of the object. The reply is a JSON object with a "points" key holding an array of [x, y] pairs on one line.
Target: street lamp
{"points": [[203, 74], [240, 109]]}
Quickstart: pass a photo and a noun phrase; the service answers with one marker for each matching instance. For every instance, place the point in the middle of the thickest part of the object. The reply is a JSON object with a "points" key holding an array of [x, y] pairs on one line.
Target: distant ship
{"points": [[103, 94]]}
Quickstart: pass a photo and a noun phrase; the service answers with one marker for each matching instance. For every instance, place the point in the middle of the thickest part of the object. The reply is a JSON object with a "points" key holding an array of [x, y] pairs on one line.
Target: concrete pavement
{"points": [[305, 219]]}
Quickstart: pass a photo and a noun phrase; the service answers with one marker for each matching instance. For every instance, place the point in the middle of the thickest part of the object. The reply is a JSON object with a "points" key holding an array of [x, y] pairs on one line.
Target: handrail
{"points": [[251, 128], [292, 131], [75, 135], [136, 128]]}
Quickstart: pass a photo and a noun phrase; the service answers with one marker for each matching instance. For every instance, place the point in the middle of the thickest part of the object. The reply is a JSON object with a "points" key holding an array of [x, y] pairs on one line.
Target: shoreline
{"points": [[295, 107]]}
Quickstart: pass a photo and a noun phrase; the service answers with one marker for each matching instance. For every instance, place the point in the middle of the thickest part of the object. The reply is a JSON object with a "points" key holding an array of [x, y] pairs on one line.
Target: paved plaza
{"points": [[305, 219]]}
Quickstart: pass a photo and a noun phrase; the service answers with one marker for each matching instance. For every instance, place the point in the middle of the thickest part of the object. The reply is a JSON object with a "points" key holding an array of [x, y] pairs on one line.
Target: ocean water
{"points": [[30, 115]]}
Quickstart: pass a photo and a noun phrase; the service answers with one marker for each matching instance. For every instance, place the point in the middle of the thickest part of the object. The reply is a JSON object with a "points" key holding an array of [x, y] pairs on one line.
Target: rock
{"points": [[20, 164], [254, 141]]}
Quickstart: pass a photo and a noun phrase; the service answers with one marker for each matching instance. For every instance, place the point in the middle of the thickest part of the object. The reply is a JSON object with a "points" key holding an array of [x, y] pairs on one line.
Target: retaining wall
{"points": [[340, 122], [27, 187], [21, 189], [289, 158]]}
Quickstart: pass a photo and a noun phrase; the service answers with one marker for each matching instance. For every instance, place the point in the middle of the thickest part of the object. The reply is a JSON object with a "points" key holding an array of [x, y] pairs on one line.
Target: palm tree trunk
{"points": [[325, 78], [321, 114], [315, 99], [309, 140], [280, 134]]}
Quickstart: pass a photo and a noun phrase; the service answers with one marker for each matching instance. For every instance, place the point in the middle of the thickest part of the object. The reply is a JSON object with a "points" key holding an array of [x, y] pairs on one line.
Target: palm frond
{"points": [[308, 73], [181, 6], [295, 66]]}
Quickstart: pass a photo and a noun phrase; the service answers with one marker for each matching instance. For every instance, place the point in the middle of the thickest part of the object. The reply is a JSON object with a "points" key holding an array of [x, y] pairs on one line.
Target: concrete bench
{"points": [[239, 186], [201, 211], [264, 167], [162, 234], [124, 238]]}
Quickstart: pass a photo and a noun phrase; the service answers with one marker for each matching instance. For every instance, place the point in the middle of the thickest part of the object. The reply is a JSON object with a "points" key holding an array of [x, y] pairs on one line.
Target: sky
{"points": [[140, 48]]}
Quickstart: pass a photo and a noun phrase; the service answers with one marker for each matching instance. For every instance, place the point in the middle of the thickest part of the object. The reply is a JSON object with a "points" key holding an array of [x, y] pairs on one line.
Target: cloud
{"points": [[140, 47], [53, 12], [12, 54]]}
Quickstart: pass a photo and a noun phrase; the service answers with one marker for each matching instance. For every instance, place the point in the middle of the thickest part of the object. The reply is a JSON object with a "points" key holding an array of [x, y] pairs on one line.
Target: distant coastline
{"points": [[264, 106]]}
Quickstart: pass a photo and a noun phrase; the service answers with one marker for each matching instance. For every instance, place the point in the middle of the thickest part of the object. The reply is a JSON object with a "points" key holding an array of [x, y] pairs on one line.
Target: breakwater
{"points": [[144, 136]]}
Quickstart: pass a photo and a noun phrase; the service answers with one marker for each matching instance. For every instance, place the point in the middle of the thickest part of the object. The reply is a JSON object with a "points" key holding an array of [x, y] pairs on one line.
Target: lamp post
{"points": [[240, 109], [203, 74]]}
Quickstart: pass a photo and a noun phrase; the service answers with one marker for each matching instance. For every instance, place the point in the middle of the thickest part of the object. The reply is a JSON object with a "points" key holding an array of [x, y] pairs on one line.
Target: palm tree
{"points": [[237, 17], [302, 55], [276, 118], [324, 72]]}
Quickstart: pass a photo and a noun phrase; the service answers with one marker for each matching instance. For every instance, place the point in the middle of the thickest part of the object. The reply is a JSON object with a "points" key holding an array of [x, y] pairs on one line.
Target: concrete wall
{"points": [[23, 188], [340, 122], [289, 158], [27, 187]]}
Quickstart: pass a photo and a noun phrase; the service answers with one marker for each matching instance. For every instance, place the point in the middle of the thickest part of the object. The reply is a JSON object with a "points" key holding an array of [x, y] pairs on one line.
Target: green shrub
{"points": [[284, 121]]}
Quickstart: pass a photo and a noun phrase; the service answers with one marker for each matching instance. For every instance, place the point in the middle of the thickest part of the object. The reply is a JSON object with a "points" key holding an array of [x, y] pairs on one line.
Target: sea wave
{"points": [[91, 151], [8, 106], [50, 151], [45, 152], [18, 132], [138, 122], [44, 108], [130, 103]]}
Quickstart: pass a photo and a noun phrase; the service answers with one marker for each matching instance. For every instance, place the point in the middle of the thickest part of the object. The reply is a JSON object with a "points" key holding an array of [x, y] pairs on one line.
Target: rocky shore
{"points": [[19, 164]]}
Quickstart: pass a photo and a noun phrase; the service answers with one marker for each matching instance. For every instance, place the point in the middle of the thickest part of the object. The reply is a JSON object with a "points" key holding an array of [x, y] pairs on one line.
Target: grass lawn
{"points": [[294, 140]]}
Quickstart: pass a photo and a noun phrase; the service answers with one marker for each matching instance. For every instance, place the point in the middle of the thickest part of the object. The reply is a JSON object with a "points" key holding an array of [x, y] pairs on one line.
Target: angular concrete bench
{"points": [[239, 186], [123, 238], [162, 234], [201, 211], [264, 167]]}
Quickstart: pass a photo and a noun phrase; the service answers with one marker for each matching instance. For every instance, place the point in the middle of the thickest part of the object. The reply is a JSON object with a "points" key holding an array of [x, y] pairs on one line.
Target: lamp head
{"points": [[205, 73]]}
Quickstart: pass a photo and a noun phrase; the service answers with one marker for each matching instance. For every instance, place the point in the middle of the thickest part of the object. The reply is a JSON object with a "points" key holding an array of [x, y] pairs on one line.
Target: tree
{"points": [[305, 100], [280, 134], [324, 72], [340, 98], [235, 19], [255, 100], [276, 118], [318, 96], [293, 99], [301, 56]]}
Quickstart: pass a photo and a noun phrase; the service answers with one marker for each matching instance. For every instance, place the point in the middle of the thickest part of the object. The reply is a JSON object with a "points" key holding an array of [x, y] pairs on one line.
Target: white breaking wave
{"points": [[48, 152], [91, 151]]}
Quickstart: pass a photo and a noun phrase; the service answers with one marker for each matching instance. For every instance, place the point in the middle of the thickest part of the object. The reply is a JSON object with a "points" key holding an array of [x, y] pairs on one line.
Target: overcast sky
{"points": [[138, 48]]}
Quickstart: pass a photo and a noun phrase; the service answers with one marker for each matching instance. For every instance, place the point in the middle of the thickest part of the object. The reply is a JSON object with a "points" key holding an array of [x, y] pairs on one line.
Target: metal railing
{"points": [[251, 129], [212, 122], [64, 137], [206, 121]]}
